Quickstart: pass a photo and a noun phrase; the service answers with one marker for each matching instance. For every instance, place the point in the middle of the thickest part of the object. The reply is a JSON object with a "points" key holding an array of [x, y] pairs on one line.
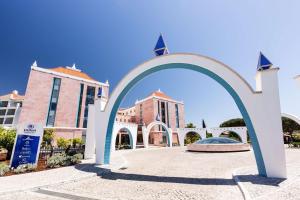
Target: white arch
{"points": [[260, 108], [183, 131], [146, 132], [131, 127], [241, 131], [292, 117]]}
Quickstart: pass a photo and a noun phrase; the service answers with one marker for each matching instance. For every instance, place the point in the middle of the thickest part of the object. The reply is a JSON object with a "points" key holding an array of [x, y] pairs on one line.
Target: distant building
{"points": [[126, 115], [156, 107], [59, 98], [10, 108]]}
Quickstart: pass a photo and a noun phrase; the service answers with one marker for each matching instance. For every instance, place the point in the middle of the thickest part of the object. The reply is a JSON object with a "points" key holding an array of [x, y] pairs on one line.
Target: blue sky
{"points": [[108, 38]]}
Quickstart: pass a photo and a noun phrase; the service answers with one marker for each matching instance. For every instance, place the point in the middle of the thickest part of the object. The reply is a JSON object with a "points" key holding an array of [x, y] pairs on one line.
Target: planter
{"points": [[3, 154]]}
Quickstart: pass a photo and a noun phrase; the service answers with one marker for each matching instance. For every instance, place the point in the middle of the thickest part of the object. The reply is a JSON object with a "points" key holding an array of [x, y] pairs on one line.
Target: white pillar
{"points": [[145, 137], [181, 135], [170, 132], [266, 118], [101, 118], [90, 134]]}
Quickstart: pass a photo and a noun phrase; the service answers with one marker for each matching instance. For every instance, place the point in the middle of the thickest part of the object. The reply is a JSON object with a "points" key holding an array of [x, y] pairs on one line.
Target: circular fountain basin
{"points": [[218, 144]]}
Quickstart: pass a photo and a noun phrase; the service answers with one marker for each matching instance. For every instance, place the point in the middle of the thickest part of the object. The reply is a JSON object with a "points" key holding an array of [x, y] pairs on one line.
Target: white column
{"points": [[101, 119], [181, 135], [145, 137], [170, 132], [90, 134], [266, 118]]}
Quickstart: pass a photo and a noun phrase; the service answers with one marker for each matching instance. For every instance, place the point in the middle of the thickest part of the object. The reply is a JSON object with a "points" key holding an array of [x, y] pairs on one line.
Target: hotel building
{"points": [[58, 98], [156, 107], [10, 108]]}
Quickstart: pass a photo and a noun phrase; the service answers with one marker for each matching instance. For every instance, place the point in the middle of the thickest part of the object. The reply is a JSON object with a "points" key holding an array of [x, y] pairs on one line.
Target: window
{"points": [[11, 112], [79, 105], [177, 115], [168, 115], [3, 103], [90, 99], [9, 120], [141, 113], [53, 102], [163, 112], [2, 112], [1, 120]]}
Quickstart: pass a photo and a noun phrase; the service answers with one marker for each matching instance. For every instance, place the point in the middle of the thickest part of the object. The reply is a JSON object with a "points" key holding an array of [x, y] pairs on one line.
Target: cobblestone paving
{"points": [[159, 174]]}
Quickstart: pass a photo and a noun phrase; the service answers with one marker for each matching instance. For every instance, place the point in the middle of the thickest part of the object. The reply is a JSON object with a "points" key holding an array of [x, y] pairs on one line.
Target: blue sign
{"points": [[26, 150]]}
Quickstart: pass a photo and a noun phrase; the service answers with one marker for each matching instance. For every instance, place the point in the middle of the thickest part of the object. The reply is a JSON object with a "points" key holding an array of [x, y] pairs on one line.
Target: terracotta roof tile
{"points": [[160, 94], [72, 72], [12, 96]]}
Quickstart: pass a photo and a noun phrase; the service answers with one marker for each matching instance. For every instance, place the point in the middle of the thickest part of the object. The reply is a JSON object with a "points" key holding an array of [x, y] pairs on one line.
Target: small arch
{"points": [[164, 126], [191, 137], [232, 135], [130, 143]]}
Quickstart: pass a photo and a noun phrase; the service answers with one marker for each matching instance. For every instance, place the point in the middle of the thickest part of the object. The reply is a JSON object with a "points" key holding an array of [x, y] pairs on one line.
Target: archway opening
{"points": [[215, 72], [123, 139], [191, 137], [231, 135], [158, 136]]}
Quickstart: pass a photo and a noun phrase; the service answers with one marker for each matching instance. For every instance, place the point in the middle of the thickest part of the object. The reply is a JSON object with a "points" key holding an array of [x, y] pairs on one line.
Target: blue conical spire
{"points": [[263, 62], [160, 47]]}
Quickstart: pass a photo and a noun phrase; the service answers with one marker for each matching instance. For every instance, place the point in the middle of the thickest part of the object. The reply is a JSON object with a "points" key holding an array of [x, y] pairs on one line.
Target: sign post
{"points": [[27, 145]]}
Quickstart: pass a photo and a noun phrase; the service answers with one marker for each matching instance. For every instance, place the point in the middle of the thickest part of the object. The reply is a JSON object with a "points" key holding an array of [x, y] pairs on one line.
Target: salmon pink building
{"points": [[58, 98], [155, 107]]}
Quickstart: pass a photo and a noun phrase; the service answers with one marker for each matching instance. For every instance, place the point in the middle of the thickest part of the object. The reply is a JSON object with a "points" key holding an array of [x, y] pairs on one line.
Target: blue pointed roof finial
{"points": [[160, 47], [263, 62], [157, 117]]}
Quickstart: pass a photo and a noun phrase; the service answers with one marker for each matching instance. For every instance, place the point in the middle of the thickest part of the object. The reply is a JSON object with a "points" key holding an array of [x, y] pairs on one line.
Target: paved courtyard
{"points": [[163, 173]]}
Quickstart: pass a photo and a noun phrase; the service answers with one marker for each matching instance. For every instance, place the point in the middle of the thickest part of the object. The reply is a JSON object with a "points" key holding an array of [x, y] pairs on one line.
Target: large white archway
{"points": [[146, 133], [183, 131], [260, 109]]}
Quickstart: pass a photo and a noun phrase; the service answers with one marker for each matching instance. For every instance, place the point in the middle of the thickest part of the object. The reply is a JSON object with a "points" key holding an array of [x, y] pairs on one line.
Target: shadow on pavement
{"points": [[260, 180], [108, 174]]}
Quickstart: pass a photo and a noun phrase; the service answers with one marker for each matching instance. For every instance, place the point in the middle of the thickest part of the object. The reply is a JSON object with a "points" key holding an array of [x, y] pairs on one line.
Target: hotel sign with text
{"points": [[27, 144]]}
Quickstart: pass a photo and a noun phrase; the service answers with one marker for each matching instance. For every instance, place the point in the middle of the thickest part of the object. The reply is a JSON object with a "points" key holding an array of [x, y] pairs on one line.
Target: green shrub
{"points": [[48, 137], [77, 142], [296, 137], [7, 139], [76, 158], [62, 143], [3, 169], [57, 160], [60, 160], [209, 135], [25, 168]]}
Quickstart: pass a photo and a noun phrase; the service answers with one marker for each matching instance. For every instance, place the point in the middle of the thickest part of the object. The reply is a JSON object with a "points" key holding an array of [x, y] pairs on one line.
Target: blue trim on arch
{"points": [[257, 151]]}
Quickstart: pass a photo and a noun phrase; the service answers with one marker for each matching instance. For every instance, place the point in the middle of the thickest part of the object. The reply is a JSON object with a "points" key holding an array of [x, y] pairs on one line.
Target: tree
{"points": [[48, 137], [233, 123], [7, 139], [190, 125], [191, 137], [289, 125]]}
